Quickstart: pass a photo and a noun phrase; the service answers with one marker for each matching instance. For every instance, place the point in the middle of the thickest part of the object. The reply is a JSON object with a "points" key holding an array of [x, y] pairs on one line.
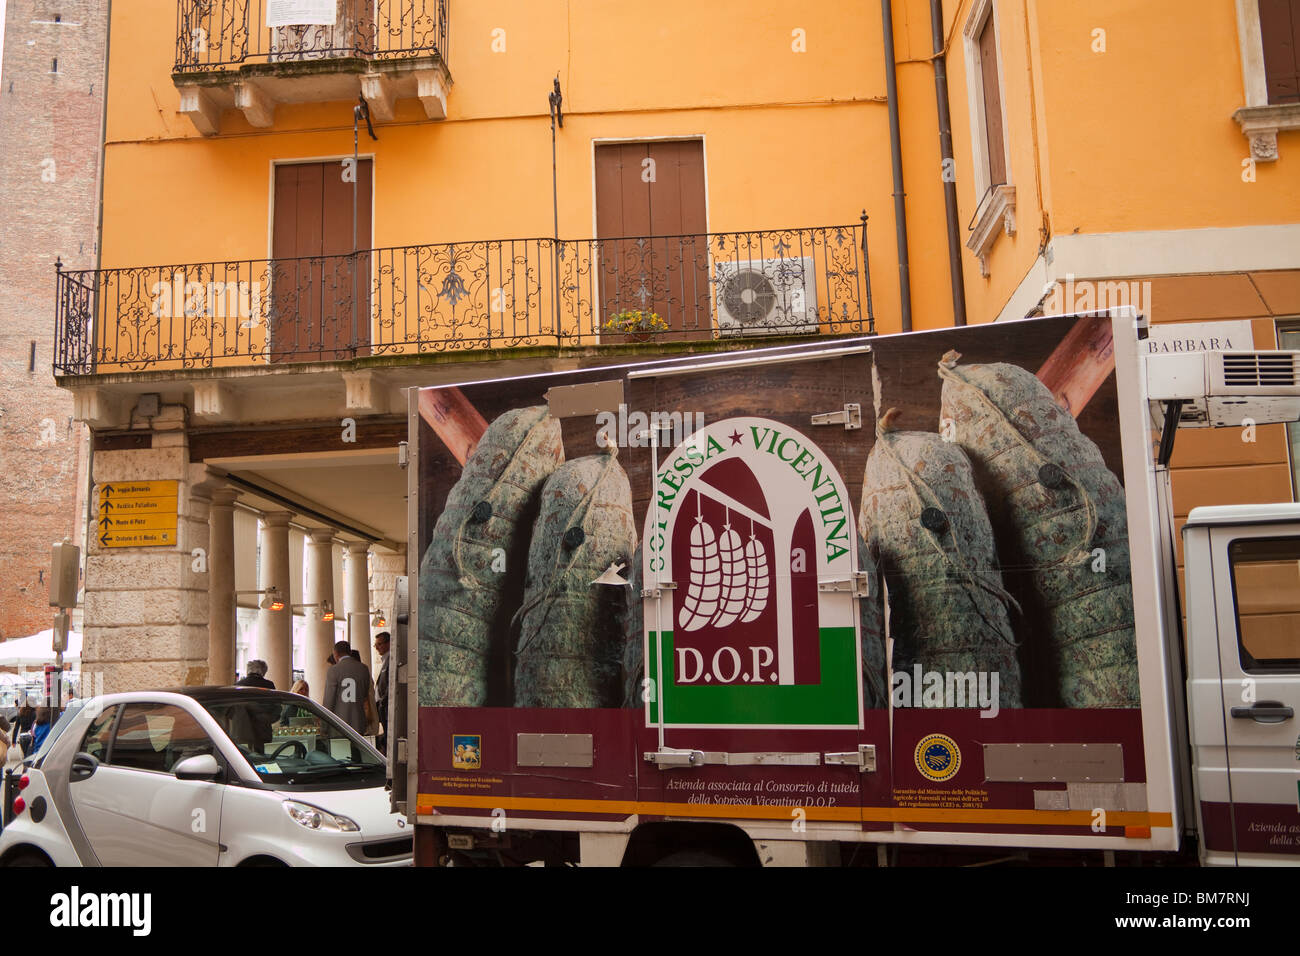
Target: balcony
{"points": [[227, 57], [464, 297], [385, 314]]}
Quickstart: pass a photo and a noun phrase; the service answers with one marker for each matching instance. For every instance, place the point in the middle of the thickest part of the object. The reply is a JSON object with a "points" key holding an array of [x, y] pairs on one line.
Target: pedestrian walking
{"points": [[348, 689], [383, 641]]}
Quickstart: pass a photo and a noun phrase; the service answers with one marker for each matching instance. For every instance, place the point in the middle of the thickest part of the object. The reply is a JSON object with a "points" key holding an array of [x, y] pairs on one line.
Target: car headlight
{"points": [[314, 818]]}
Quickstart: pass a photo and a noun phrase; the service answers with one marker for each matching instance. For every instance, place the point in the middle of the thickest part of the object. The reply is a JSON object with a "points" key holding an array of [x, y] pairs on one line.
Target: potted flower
{"points": [[637, 324]]}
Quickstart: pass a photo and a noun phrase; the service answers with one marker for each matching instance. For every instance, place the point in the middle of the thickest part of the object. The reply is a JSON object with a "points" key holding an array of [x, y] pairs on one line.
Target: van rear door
{"points": [[1256, 575]]}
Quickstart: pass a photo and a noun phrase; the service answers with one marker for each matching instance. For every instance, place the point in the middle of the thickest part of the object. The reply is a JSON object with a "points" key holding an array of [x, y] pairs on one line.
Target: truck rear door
{"points": [[756, 707], [1256, 573]]}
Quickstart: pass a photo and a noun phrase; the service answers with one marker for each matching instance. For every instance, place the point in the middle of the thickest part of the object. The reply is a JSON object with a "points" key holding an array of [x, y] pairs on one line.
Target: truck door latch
{"points": [[859, 584], [850, 416], [675, 758], [864, 758]]}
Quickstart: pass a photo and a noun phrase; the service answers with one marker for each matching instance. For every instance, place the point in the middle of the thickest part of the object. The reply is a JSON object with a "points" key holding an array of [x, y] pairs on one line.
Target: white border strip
{"points": [[742, 362], [1116, 255]]}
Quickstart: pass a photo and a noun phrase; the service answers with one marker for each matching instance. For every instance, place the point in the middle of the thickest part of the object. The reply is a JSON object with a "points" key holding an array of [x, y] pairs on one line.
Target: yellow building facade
{"points": [[1150, 158], [261, 300]]}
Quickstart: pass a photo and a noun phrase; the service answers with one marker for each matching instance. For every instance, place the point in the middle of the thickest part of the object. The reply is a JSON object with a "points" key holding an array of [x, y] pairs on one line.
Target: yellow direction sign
{"points": [[137, 514], [120, 507], [138, 539]]}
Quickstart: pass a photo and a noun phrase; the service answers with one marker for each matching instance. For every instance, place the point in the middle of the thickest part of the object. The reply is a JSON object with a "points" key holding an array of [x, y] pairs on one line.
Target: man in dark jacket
{"points": [[382, 643], [348, 687], [258, 730], [256, 676]]}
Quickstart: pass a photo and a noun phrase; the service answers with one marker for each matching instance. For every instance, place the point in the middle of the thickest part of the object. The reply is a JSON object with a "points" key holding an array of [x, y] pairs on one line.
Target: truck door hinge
{"points": [[654, 592], [864, 758], [859, 584], [669, 757], [850, 417]]}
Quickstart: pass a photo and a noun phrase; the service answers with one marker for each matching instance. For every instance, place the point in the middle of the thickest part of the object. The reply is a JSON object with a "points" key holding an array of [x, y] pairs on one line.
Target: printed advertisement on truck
{"points": [[858, 589]]}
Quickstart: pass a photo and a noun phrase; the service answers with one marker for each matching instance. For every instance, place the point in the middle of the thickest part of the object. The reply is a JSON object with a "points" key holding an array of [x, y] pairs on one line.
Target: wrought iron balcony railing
{"points": [[463, 296], [224, 34]]}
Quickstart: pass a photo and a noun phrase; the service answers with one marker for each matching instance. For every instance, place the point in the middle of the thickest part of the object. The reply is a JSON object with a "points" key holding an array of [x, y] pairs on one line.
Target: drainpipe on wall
{"points": [[896, 159], [940, 62]]}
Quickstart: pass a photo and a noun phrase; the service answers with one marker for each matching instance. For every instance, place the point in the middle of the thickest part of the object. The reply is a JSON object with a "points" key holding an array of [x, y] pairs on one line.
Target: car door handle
{"points": [[1265, 712], [83, 766]]}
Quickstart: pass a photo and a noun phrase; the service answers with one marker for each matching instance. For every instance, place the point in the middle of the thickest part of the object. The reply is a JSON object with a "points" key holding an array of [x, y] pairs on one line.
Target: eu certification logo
{"points": [[937, 757]]}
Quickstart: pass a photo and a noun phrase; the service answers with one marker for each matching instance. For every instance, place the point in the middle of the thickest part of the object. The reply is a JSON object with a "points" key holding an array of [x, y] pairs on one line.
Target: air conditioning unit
{"points": [[1221, 389], [766, 296]]}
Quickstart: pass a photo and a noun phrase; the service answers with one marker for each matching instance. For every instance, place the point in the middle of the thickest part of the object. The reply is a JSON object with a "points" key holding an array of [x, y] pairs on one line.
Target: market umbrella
{"points": [[37, 650]]}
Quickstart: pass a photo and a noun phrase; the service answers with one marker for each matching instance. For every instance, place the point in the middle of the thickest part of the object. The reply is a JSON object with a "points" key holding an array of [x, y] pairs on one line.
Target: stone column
{"points": [[145, 622], [357, 582], [320, 588], [388, 566], [275, 628], [221, 587]]}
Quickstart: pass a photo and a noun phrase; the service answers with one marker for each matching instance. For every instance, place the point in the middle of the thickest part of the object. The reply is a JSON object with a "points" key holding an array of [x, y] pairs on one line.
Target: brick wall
{"points": [[51, 108]]}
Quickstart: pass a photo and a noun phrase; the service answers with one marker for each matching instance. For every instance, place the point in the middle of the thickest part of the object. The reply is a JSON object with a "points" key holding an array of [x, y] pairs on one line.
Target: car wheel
{"points": [[28, 858]]}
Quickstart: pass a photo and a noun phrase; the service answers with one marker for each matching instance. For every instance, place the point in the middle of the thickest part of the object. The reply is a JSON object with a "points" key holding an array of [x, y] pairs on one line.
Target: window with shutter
{"points": [[995, 196], [1268, 32], [320, 291], [651, 228], [988, 53], [1279, 24], [351, 34]]}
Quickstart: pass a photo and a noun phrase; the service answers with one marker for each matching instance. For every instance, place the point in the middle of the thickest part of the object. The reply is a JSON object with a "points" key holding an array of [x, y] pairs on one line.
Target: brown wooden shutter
{"points": [[312, 278], [677, 209], [997, 156], [1279, 23], [665, 268]]}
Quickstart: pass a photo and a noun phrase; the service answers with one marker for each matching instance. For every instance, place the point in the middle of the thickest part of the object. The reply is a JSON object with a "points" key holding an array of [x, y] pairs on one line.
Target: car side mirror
{"points": [[199, 767]]}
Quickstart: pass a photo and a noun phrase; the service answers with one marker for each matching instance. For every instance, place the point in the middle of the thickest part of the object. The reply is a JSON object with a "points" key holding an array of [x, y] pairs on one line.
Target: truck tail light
{"points": [[19, 805], [23, 781]]}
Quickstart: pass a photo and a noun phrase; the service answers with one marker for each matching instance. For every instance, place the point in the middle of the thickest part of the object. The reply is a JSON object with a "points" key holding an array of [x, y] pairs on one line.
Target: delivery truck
{"points": [[848, 601]]}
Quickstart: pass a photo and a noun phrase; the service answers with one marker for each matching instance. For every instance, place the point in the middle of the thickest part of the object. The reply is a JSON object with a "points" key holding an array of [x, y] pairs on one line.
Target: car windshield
{"points": [[288, 739]]}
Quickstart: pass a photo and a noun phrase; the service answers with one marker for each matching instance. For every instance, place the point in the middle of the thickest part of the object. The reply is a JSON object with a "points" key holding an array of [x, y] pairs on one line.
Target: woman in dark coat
{"points": [[23, 725]]}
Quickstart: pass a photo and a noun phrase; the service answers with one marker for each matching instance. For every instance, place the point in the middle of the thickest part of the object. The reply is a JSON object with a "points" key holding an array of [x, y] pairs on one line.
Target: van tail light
{"points": [[19, 805], [23, 781]]}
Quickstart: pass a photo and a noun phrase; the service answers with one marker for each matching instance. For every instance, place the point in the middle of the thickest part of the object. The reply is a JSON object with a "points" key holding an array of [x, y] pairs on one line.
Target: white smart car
{"points": [[203, 776]]}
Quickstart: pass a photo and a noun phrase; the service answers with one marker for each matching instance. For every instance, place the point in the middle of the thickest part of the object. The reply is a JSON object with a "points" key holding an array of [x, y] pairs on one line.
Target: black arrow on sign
{"points": [[104, 540], [104, 521], [108, 490]]}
